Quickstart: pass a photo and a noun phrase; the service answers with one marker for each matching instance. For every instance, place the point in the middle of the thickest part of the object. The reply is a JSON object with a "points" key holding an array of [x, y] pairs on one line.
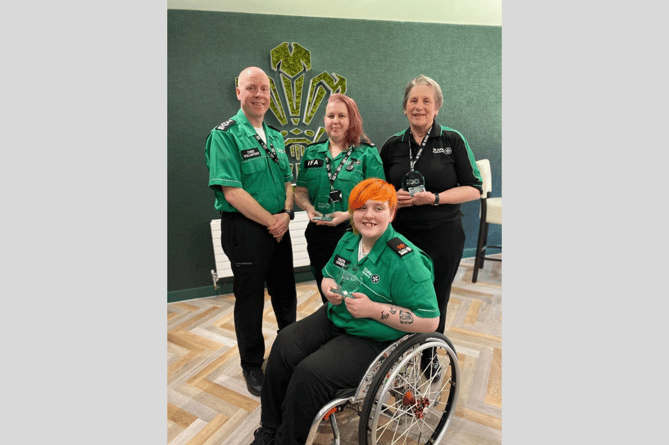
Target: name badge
{"points": [[250, 153], [313, 163], [341, 262]]}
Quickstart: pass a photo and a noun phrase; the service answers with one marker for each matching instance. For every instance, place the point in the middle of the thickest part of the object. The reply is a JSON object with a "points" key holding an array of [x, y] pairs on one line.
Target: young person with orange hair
{"points": [[332, 348]]}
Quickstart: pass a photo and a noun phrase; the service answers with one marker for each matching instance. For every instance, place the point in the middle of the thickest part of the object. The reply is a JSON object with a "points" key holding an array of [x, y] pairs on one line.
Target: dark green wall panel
{"points": [[207, 50]]}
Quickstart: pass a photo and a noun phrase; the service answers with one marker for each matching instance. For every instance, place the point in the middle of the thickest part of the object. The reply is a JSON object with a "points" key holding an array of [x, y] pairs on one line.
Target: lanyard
{"points": [[270, 153], [412, 160], [328, 165]]}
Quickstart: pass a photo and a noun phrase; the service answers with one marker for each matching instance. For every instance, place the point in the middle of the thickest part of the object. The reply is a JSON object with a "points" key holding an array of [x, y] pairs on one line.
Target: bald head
{"points": [[253, 92], [251, 72]]}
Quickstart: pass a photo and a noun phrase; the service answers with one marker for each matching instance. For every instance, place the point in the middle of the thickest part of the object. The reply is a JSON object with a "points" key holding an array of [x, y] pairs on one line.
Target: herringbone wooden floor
{"points": [[207, 400]]}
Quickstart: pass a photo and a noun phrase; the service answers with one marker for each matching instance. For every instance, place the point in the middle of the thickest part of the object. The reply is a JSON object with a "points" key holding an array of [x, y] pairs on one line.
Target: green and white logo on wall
{"points": [[296, 118]]}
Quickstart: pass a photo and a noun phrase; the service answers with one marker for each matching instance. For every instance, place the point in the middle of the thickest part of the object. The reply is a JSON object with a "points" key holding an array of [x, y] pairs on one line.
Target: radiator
{"points": [[300, 256]]}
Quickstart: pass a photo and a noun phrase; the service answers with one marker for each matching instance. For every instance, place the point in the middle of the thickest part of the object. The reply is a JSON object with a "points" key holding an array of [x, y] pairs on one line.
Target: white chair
{"points": [[491, 213]]}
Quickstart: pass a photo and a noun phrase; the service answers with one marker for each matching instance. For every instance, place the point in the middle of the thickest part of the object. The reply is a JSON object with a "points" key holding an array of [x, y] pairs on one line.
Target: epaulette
{"points": [[316, 143], [275, 129], [399, 247], [366, 142], [227, 124]]}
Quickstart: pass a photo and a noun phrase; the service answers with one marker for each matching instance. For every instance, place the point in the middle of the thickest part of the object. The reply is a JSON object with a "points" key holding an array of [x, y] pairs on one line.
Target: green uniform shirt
{"points": [[401, 275], [235, 158], [363, 163]]}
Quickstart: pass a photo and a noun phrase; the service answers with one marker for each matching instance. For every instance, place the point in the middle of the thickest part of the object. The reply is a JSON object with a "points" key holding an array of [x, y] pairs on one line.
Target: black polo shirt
{"points": [[446, 162]]}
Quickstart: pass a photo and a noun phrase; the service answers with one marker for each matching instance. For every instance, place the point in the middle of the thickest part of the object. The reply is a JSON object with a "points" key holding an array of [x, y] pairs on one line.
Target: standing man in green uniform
{"points": [[250, 175]]}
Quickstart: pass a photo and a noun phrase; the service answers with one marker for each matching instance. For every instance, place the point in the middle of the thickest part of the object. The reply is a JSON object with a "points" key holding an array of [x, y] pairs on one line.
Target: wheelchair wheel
{"points": [[407, 404]]}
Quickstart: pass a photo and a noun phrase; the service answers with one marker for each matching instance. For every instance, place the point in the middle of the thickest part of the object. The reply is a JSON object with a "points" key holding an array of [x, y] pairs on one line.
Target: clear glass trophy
{"points": [[347, 283], [413, 182], [325, 206]]}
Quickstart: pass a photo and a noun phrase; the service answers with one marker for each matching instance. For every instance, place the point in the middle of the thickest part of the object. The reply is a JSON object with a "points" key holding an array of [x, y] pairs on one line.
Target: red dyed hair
{"points": [[355, 133], [375, 189]]}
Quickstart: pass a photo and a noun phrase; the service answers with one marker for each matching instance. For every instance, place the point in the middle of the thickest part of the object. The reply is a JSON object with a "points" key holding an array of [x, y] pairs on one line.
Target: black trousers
{"points": [[310, 360], [444, 245], [257, 259], [321, 243]]}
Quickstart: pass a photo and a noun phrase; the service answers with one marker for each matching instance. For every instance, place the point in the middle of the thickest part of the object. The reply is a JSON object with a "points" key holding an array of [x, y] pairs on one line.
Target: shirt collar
{"points": [[434, 132], [241, 118], [381, 244]]}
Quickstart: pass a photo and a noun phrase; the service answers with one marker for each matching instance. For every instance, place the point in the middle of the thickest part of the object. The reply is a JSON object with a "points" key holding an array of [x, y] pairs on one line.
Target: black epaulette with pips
{"points": [[399, 247]]}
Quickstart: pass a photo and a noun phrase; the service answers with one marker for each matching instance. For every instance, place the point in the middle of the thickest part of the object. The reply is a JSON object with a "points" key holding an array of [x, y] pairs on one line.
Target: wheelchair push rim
{"points": [[407, 404]]}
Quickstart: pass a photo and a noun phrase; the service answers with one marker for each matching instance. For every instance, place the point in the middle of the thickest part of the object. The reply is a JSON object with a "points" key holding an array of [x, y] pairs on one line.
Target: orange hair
{"points": [[375, 189]]}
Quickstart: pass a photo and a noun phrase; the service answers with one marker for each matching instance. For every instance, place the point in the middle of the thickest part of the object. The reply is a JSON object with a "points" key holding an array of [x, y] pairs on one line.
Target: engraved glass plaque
{"points": [[347, 283], [413, 182], [325, 206]]}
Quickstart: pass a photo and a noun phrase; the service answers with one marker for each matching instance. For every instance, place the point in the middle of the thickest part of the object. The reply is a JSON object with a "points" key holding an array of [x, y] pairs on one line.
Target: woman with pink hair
{"points": [[328, 172]]}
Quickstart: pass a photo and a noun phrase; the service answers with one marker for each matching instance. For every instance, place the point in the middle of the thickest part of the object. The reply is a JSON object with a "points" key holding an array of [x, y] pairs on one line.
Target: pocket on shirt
{"points": [[254, 165]]}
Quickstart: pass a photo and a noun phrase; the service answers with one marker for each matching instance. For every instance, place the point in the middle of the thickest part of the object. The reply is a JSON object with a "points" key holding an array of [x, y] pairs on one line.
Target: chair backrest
{"points": [[484, 168]]}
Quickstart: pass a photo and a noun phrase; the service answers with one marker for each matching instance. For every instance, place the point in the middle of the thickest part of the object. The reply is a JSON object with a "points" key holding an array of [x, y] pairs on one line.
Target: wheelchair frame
{"points": [[398, 402]]}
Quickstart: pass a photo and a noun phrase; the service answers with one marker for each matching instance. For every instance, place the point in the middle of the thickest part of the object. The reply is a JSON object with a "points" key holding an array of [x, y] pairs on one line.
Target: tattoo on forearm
{"points": [[384, 315], [393, 310], [406, 317]]}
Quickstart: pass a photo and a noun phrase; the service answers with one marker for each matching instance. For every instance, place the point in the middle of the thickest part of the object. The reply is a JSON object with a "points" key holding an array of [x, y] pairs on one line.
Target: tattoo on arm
{"points": [[393, 310], [384, 315], [406, 317]]}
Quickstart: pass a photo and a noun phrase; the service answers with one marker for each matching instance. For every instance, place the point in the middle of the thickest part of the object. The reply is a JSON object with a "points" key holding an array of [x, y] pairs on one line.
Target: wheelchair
{"points": [[397, 400]]}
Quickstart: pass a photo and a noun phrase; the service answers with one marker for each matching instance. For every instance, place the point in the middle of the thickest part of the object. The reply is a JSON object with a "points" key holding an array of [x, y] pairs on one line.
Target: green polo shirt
{"points": [[363, 163], [401, 276], [236, 159]]}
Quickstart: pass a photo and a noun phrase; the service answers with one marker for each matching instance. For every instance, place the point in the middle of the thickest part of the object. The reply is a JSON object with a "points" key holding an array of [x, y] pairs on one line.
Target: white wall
{"points": [[461, 12]]}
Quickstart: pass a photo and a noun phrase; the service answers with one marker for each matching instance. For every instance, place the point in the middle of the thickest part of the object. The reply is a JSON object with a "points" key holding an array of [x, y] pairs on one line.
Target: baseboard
{"points": [[224, 286]]}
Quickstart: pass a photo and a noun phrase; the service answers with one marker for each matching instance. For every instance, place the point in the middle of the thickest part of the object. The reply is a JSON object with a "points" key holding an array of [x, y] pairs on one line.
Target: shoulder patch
{"points": [[399, 247], [227, 124]]}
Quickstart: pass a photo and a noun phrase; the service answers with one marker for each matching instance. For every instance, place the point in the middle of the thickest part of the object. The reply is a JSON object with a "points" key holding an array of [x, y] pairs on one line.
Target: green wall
{"points": [[207, 50]]}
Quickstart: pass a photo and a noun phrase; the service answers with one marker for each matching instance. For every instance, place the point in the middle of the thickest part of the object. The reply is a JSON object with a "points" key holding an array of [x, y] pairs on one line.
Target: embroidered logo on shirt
{"points": [[341, 262], [446, 151], [312, 163], [399, 247], [250, 153], [375, 278]]}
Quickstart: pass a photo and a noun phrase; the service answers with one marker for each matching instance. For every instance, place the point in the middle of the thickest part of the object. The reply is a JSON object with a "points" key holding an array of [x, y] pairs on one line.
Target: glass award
{"points": [[325, 206], [413, 182], [347, 283]]}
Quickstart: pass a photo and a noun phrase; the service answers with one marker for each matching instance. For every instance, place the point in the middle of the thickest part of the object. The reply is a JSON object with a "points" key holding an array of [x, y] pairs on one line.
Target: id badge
{"points": [[335, 195]]}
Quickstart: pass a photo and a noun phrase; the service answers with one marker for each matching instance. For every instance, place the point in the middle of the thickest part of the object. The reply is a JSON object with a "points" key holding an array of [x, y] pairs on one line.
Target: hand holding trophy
{"points": [[347, 283], [325, 206]]}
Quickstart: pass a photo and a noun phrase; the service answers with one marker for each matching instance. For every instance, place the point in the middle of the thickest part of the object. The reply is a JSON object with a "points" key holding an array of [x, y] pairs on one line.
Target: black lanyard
{"points": [[413, 161], [328, 165], [270, 153]]}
